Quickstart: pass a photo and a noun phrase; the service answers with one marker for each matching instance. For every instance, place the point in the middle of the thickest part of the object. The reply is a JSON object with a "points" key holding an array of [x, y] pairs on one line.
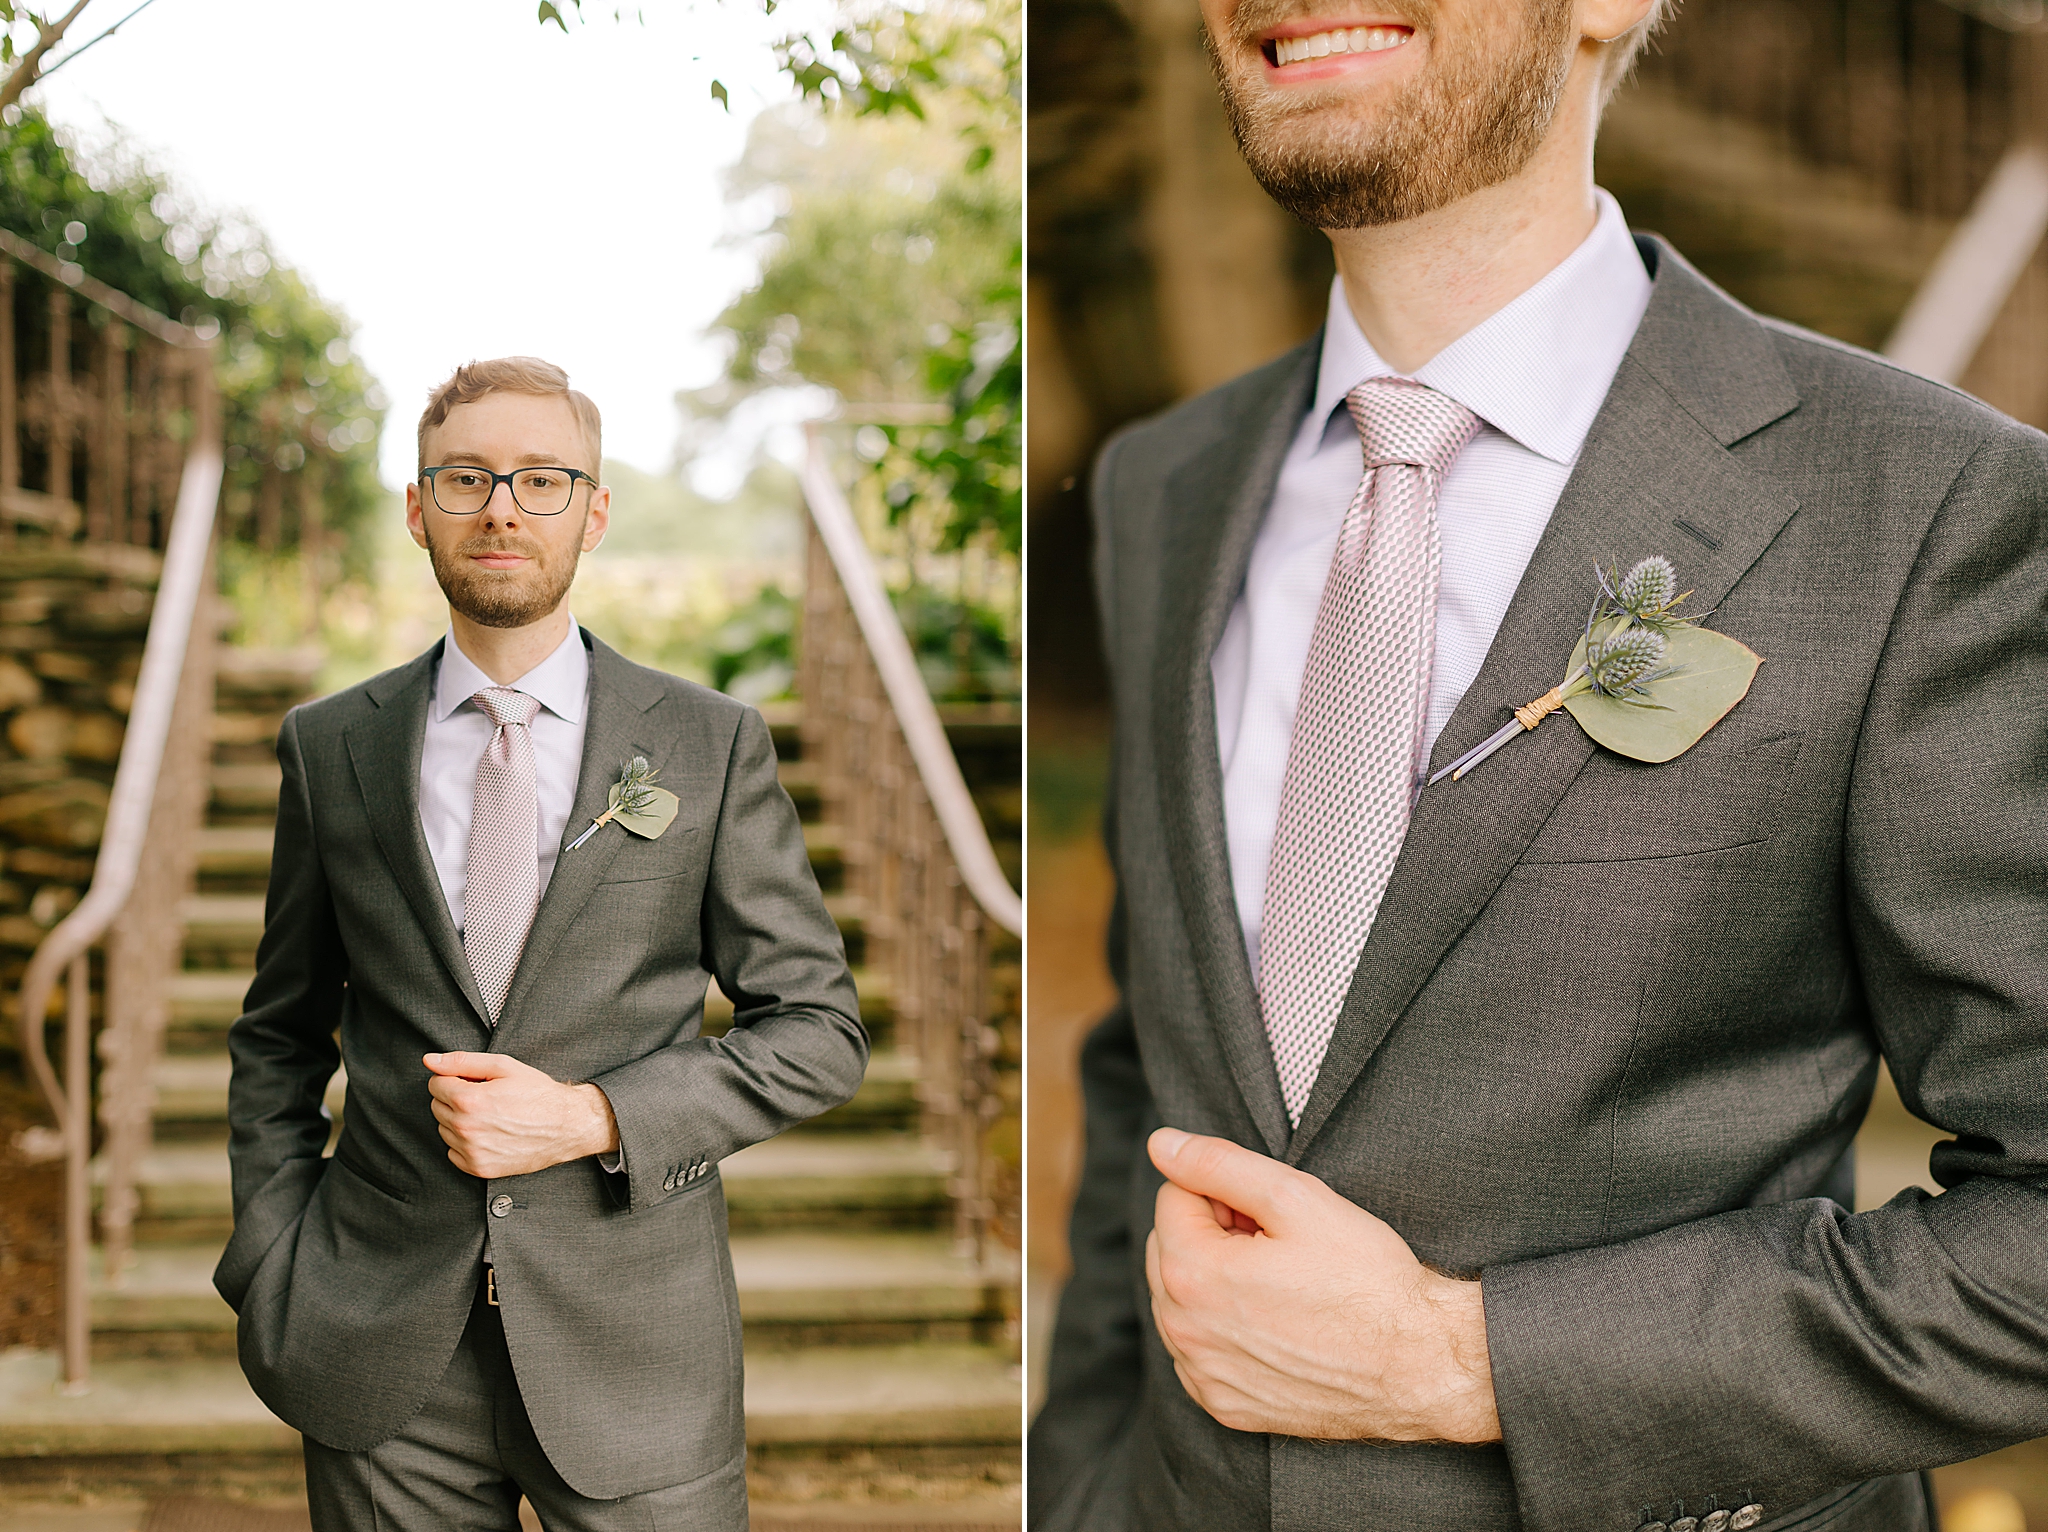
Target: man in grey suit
{"points": [[512, 1275], [1476, 1154]]}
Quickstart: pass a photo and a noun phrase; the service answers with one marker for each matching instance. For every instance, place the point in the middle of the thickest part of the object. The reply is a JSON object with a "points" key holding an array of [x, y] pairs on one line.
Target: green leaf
{"points": [[549, 12], [650, 822], [1711, 673], [718, 94]]}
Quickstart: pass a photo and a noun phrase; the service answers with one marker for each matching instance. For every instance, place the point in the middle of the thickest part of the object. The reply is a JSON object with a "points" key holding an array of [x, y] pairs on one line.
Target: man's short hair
{"points": [[1623, 51], [511, 375]]}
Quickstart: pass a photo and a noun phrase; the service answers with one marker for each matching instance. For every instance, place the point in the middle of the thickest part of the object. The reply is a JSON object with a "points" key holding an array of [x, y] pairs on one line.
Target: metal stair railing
{"points": [[155, 397], [918, 859]]}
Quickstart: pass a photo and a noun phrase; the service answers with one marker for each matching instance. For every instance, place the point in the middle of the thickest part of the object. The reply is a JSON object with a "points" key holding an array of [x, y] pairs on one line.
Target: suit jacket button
{"points": [[1716, 1521], [668, 1183], [501, 1205], [1746, 1518], [1686, 1524], [1653, 1526]]}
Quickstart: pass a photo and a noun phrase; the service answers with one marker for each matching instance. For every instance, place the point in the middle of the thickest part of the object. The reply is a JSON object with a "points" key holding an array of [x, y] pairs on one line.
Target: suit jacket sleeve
{"points": [[1095, 1371], [797, 1047], [1782, 1351], [283, 1044]]}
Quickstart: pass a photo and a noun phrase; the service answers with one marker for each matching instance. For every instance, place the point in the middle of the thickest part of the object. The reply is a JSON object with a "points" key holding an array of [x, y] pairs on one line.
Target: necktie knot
{"points": [[502, 705], [1402, 421]]}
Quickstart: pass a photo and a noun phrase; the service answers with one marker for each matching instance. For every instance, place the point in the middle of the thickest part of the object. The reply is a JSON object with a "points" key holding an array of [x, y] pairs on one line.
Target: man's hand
{"points": [[500, 1117], [1290, 1309]]}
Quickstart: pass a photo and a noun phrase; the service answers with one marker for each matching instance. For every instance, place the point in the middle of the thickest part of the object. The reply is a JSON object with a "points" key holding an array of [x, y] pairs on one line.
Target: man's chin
{"points": [[501, 608]]}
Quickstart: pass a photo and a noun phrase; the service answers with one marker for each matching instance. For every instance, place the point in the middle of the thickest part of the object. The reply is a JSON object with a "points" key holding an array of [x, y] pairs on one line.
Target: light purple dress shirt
{"points": [[1535, 373]]}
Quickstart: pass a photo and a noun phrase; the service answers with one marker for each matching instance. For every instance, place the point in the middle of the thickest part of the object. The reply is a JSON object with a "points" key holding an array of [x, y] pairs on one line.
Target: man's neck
{"points": [[506, 654], [1416, 286]]}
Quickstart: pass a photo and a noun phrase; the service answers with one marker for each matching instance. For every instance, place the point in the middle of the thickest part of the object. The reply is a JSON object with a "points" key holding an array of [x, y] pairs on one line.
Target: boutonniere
{"points": [[1644, 681], [636, 803]]}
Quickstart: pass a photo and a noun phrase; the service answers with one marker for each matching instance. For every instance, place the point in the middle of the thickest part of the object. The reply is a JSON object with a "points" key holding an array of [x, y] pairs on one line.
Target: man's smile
{"points": [[1319, 48], [499, 560]]}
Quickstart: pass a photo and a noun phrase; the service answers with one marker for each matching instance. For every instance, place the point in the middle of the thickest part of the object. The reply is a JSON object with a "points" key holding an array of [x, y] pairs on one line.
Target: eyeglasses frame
{"points": [[506, 480]]}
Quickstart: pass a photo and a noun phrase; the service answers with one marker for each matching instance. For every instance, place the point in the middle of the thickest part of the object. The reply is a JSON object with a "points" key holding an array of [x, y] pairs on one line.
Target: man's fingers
{"points": [[471, 1066], [1267, 1192], [1185, 1219]]}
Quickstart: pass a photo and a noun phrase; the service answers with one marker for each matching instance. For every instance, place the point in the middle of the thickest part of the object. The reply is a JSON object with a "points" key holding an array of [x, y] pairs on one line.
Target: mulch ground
{"points": [[31, 1223]]}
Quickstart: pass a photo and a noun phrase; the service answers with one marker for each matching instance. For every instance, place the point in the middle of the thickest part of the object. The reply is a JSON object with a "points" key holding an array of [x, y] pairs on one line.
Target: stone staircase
{"points": [[881, 1364]]}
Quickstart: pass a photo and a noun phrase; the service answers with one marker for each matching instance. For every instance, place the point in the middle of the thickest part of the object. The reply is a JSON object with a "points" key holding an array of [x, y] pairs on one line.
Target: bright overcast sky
{"points": [[589, 166]]}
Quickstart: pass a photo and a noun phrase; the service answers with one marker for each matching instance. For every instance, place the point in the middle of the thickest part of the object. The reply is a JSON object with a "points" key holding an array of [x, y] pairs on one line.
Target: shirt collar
{"points": [[558, 683], [1539, 369]]}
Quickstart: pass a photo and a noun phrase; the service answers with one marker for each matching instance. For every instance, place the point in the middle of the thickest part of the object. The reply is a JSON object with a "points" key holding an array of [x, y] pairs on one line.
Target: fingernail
{"points": [[1168, 1142], [433, 1058]]}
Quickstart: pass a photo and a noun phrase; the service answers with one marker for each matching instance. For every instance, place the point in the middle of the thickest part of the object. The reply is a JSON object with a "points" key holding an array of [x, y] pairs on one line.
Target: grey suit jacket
{"points": [[1617, 1024], [353, 1276]]}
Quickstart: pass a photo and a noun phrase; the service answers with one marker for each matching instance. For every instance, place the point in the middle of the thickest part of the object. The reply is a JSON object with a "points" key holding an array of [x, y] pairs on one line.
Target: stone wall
{"points": [[72, 626]]}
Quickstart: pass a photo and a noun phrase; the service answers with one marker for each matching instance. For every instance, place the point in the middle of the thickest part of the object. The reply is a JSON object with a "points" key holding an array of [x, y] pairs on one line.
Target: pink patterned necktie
{"points": [[503, 866], [1356, 753]]}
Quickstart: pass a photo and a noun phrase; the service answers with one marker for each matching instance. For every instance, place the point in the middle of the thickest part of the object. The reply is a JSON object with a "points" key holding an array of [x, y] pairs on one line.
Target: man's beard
{"points": [[1465, 123], [494, 598]]}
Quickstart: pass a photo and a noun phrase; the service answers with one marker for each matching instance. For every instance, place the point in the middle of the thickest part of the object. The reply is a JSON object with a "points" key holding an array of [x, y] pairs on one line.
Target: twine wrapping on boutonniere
{"points": [[636, 803], [1644, 681]]}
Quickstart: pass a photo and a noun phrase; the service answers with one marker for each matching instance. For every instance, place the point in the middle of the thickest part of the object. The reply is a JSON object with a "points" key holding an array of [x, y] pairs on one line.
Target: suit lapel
{"points": [[385, 751], [619, 728], [1215, 503], [1654, 476]]}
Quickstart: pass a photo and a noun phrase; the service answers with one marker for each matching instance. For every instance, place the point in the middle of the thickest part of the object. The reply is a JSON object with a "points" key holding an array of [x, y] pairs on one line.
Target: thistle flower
{"points": [[636, 786], [1622, 662], [1647, 588], [1647, 596]]}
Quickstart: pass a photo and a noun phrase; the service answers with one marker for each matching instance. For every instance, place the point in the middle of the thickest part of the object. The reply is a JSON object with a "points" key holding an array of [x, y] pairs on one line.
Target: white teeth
{"points": [[1289, 50]]}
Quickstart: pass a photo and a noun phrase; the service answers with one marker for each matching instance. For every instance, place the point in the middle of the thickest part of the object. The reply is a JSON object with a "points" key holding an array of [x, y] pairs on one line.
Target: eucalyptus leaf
{"points": [[649, 822], [1710, 673]]}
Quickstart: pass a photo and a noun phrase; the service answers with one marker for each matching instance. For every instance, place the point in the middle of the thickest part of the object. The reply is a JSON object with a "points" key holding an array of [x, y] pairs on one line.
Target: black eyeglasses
{"points": [[463, 489]]}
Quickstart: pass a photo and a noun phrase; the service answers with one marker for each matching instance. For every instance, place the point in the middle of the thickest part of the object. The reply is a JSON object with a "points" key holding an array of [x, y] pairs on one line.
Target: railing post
{"points": [[61, 417], [77, 1173]]}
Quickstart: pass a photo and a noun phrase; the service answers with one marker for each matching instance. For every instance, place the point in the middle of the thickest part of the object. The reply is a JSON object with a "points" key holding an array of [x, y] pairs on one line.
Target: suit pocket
{"points": [[352, 1162], [271, 1214], [1722, 793], [654, 861]]}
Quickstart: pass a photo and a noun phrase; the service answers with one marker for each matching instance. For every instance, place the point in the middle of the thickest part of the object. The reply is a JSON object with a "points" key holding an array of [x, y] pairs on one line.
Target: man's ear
{"points": [[415, 513], [599, 519], [1602, 21]]}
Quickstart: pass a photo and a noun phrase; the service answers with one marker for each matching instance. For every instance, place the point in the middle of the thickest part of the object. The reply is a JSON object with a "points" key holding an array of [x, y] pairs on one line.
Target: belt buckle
{"points": [[491, 1284]]}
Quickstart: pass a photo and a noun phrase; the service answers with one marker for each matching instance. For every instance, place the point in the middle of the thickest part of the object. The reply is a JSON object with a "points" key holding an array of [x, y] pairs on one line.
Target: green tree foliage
{"points": [[895, 268], [302, 414]]}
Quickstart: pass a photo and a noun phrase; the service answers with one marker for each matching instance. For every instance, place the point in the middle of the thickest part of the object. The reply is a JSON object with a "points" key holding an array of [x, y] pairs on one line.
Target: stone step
{"points": [[242, 729], [789, 1280], [193, 1088], [824, 1396], [235, 851], [207, 999], [856, 1396], [244, 788], [800, 1180], [242, 677], [800, 780]]}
